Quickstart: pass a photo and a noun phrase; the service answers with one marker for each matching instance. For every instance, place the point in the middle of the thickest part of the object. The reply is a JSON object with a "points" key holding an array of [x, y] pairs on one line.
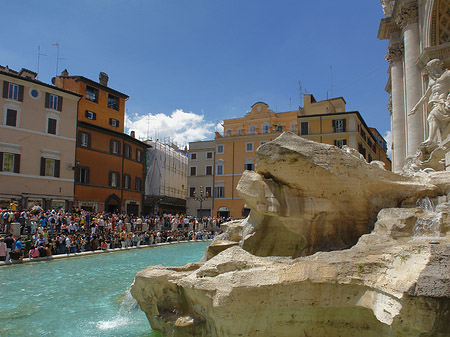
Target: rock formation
{"points": [[310, 198]]}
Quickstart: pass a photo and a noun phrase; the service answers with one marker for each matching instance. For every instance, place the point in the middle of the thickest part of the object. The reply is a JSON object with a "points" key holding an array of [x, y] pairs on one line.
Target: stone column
{"points": [[398, 126], [408, 21]]}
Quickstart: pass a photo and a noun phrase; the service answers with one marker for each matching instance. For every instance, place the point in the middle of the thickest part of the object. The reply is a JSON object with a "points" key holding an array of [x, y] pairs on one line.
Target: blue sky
{"points": [[188, 64]]}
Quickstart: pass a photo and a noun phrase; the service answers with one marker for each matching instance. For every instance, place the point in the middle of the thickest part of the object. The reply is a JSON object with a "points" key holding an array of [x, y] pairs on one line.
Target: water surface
{"points": [[83, 296]]}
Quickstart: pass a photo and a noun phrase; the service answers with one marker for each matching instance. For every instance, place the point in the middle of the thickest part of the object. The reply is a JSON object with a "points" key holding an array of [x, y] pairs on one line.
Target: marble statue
{"points": [[388, 8], [437, 98]]}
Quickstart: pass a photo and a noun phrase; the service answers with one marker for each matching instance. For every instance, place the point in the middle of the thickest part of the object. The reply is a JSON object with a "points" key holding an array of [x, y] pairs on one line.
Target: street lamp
{"points": [[202, 197]]}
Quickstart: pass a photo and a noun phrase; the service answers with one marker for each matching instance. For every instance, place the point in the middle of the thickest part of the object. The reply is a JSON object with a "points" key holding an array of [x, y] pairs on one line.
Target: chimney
{"points": [[103, 79], [132, 134], [65, 73]]}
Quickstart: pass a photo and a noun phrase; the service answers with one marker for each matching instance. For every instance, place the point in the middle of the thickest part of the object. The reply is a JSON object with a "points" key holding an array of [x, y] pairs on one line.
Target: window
{"points": [[51, 126], [13, 91], [138, 184], [265, 128], [248, 147], [279, 128], [11, 117], [209, 170], [91, 94], [340, 143], [113, 102], [339, 125], [304, 128], [219, 168], [138, 155], [293, 127], [114, 179], [193, 170], [194, 156], [220, 149], [127, 181], [239, 132], [192, 192], [83, 175], [9, 162], [249, 164], [208, 191], [53, 102], [114, 122], [369, 158], [362, 150], [85, 140], [219, 192], [90, 115], [114, 146], [50, 167], [229, 132], [262, 142], [127, 150], [209, 155], [251, 130]]}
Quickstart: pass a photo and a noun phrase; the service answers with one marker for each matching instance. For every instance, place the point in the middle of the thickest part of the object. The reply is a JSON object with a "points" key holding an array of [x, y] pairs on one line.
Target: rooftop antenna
{"points": [[301, 92], [57, 57], [148, 124], [331, 80], [290, 103], [39, 60]]}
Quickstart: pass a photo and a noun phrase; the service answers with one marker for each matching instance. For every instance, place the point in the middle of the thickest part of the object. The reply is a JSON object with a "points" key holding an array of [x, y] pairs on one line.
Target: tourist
{"points": [[16, 256], [3, 251]]}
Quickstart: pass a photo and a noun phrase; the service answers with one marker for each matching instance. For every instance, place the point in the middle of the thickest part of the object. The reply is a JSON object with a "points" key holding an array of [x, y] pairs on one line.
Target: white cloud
{"points": [[388, 139], [219, 127], [180, 127]]}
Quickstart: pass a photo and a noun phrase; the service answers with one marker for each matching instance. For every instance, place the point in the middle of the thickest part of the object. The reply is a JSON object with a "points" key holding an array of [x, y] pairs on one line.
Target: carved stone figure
{"points": [[437, 97], [388, 8]]}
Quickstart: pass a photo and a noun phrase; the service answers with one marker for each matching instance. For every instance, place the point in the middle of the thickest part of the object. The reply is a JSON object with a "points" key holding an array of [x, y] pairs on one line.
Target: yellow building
{"points": [[324, 121]]}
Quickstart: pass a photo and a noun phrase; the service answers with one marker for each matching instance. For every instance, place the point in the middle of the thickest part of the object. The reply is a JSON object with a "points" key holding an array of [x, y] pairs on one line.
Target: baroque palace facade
{"points": [[233, 152], [418, 32]]}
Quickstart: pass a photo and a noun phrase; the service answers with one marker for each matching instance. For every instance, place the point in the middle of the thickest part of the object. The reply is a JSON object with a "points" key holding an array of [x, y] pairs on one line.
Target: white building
{"points": [[418, 31], [166, 178]]}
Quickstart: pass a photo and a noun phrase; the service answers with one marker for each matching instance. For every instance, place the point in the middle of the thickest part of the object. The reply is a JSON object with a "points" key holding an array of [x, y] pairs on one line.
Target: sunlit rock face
{"points": [[284, 271]]}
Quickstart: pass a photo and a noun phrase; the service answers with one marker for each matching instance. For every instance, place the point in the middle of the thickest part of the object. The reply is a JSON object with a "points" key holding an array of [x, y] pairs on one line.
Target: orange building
{"points": [[324, 121], [110, 165]]}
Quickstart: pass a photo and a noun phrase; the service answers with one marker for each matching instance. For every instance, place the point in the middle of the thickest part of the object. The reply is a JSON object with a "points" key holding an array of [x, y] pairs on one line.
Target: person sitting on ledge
{"points": [[16, 256]]}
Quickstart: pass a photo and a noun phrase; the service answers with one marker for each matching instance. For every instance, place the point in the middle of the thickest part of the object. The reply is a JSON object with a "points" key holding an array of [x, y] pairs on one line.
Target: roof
{"points": [[112, 132], [38, 82], [96, 84]]}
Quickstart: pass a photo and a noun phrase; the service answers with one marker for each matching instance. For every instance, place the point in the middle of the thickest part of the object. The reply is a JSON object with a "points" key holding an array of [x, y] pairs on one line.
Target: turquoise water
{"points": [[83, 296]]}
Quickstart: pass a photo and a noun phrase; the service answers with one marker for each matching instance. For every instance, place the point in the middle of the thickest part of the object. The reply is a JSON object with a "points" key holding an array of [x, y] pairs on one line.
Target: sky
{"points": [[189, 64]]}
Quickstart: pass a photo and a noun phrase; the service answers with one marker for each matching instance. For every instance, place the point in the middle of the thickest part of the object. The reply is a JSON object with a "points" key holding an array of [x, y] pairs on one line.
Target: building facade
{"points": [[166, 178], [324, 121], [37, 142], [418, 32], [201, 178], [110, 165]]}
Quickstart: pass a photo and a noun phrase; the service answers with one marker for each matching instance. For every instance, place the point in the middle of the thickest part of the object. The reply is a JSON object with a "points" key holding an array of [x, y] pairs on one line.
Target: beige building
{"points": [[200, 179], [37, 141], [418, 32], [324, 121]]}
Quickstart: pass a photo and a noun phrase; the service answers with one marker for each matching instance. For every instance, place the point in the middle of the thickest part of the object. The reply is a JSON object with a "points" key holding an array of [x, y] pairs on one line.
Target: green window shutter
{"points": [[42, 166], [17, 163], [57, 168], [20, 93], [5, 89], [60, 103], [47, 100]]}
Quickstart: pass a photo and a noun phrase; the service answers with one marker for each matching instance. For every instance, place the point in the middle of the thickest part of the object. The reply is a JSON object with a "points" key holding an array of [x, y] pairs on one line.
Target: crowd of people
{"points": [[53, 232]]}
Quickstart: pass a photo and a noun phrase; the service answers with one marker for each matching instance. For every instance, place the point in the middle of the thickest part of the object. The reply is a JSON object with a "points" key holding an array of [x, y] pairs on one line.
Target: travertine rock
{"points": [[309, 198]]}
